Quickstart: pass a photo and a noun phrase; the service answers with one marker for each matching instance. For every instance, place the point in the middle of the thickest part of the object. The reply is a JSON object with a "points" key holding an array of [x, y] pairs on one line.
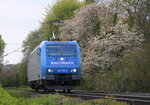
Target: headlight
{"points": [[74, 70], [49, 70]]}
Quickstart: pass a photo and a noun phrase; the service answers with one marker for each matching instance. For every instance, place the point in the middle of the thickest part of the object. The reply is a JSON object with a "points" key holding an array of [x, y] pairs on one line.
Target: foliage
{"points": [[90, 1], [2, 46], [14, 75], [137, 15], [64, 9], [61, 10], [22, 74], [9, 76], [33, 39], [137, 71], [103, 43], [107, 50]]}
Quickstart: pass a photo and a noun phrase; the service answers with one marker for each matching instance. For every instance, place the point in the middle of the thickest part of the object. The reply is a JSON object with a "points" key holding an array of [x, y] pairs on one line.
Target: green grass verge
{"points": [[19, 87], [18, 97], [6, 99]]}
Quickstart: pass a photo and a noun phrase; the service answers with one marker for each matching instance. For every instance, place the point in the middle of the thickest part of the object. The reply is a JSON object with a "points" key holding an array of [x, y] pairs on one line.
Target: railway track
{"points": [[132, 99]]}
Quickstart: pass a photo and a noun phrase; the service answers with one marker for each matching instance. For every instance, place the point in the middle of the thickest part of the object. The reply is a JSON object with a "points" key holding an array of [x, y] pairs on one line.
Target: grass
{"points": [[19, 87], [6, 99], [21, 93], [19, 97]]}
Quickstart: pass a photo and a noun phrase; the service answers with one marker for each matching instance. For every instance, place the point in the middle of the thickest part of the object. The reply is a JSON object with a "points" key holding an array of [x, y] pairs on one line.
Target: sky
{"points": [[17, 19]]}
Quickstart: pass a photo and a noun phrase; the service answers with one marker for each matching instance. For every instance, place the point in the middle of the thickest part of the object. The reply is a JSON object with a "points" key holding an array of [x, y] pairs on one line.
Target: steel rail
{"points": [[131, 99]]}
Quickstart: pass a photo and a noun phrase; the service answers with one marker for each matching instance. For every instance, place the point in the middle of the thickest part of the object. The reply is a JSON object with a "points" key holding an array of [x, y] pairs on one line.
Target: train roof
{"points": [[57, 42]]}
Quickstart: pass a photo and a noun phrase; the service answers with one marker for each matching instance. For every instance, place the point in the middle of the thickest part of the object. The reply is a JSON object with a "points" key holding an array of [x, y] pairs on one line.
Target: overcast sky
{"points": [[17, 19]]}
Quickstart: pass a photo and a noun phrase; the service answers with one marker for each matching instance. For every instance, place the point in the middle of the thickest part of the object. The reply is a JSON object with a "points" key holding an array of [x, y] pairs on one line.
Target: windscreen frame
{"points": [[61, 50]]}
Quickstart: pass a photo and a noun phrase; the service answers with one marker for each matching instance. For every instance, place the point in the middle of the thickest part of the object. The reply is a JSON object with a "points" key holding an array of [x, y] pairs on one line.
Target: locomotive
{"points": [[55, 65]]}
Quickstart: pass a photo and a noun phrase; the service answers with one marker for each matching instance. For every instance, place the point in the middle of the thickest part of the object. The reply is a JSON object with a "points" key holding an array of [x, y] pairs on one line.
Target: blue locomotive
{"points": [[55, 65]]}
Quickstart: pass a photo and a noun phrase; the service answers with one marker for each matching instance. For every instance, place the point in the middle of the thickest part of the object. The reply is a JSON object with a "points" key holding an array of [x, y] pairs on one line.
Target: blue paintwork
{"points": [[54, 62]]}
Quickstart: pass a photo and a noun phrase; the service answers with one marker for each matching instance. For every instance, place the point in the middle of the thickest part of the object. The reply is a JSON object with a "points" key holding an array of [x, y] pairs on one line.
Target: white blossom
{"points": [[108, 45]]}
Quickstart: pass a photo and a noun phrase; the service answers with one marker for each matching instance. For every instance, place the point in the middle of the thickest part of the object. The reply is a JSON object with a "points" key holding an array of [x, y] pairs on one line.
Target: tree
{"points": [[61, 10], [103, 43], [2, 46], [138, 12], [22, 71], [89, 1], [32, 40], [9, 76], [137, 15]]}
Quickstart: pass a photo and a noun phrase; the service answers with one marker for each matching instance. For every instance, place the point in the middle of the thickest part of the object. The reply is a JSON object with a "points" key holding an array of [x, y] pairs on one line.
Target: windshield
{"points": [[69, 50], [66, 50], [53, 50]]}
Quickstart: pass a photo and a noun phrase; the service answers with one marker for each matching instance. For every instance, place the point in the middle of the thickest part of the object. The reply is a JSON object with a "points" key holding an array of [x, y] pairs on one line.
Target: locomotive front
{"points": [[62, 69]]}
